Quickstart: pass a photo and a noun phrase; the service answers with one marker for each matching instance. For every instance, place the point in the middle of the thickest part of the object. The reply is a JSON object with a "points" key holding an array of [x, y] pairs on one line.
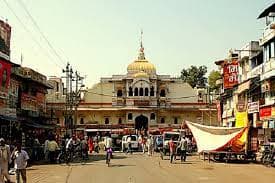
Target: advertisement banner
{"points": [[253, 107], [5, 71], [241, 119], [5, 37], [265, 112], [230, 74]]}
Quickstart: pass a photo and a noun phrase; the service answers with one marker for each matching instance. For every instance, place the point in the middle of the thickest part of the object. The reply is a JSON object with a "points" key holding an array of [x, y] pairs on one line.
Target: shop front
{"points": [[267, 117]]}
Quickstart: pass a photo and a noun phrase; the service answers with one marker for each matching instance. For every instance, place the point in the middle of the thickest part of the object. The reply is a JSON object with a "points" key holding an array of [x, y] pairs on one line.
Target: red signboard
{"points": [[230, 74], [265, 112], [5, 71]]}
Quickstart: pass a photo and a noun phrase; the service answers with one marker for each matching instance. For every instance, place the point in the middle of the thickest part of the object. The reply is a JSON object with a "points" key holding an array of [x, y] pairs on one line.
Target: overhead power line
{"points": [[40, 31], [30, 34]]}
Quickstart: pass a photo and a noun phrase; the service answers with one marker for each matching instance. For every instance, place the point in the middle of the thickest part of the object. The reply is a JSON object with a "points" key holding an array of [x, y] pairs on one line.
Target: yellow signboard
{"points": [[241, 119]]}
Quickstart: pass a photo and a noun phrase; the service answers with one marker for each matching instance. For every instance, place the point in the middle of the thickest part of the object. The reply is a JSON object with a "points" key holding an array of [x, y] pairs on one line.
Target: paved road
{"points": [[140, 168]]}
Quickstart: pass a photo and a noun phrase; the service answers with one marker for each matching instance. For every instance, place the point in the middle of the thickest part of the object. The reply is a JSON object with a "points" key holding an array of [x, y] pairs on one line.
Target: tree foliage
{"points": [[195, 76], [212, 78]]}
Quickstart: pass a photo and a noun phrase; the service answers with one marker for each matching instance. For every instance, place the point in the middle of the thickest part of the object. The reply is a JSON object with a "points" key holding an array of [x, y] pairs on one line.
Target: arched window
{"points": [[119, 121], [141, 92], [162, 93], [106, 121], [146, 91], [130, 116], [162, 120], [175, 120], [119, 93], [153, 116], [130, 91], [136, 91], [81, 121], [4, 78], [152, 91]]}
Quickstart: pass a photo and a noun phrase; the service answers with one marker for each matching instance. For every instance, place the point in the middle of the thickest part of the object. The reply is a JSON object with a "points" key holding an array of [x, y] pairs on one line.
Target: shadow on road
{"points": [[117, 165]]}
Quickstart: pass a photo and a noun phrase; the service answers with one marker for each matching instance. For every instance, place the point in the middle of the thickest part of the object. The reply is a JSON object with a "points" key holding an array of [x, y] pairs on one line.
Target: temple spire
{"points": [[141, 50]]}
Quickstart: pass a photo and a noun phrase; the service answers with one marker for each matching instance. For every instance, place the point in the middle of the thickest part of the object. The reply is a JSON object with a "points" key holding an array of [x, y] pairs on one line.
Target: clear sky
{"points": [[101, 37]]}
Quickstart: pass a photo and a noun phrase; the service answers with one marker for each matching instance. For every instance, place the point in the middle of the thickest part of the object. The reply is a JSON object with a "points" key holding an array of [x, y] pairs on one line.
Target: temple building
{"points": [[141, 100]]}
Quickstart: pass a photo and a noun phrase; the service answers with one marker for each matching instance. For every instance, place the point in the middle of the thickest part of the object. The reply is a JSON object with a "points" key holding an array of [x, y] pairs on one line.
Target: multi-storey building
{"points": [[141, 100]]}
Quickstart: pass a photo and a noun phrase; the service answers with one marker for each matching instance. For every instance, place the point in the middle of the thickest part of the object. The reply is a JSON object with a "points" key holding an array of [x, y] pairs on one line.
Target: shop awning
{"points": [[267, 11], [37, 125], [8, 118]]}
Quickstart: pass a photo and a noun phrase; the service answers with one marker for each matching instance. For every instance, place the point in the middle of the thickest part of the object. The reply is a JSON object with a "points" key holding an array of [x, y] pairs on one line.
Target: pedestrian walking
{"points": [[46, 149], [183, 148], [4, 161], [143, 144], [150, 145], [84, 148], [129, 148], [20, 158], [91, 145], [172, 148], [52, 147]]}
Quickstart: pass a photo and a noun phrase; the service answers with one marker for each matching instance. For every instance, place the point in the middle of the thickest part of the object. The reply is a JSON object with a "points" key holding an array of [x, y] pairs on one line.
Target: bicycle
{"points": [[108, 156]]}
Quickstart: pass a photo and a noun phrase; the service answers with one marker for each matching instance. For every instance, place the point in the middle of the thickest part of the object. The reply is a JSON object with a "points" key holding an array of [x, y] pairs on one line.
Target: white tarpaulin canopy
{"points": [[209, 138]]}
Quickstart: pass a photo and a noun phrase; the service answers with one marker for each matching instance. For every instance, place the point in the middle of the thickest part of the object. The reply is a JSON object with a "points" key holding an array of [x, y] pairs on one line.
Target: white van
{"points": [[134, 142]]}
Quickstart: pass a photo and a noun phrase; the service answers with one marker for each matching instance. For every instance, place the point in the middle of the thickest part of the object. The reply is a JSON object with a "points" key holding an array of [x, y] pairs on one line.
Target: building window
{"points": [[272, 49], [57, 86], [153, 116], [119, 121], [162, 120], [107, 121], [4, 78], [152, 91], [130, 91], [81, 121], [141, 92], [119, 93], [136, 91], [175, 120], [162, 93], [146, 91], [130, 116]]}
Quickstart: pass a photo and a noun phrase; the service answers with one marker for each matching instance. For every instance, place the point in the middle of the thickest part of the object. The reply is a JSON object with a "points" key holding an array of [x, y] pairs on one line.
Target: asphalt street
{"points": [[140, 168]]}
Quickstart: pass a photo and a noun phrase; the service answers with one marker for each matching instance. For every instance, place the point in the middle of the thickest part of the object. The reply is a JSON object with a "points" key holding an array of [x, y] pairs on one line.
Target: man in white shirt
{"points": [[20, 158]]}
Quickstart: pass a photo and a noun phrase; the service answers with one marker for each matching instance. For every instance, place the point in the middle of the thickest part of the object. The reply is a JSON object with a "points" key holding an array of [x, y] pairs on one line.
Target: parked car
{"points": [[117, 141], [166, 138], [134, 142]]}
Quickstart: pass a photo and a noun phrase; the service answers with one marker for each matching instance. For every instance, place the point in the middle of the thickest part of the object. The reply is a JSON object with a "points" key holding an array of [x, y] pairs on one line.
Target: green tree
{"points": [[212, 78], [194, 75]]}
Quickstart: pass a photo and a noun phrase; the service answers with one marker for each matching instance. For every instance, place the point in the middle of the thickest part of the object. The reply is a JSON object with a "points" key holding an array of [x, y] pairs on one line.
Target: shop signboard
{"points": [[5, 71], [241, 119], [230, 74], [265, 112], [9, 112], [241, 106], [253, 107]]}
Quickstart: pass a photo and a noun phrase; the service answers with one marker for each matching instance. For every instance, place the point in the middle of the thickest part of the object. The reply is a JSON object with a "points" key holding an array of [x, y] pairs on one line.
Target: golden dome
{"points": [[141, 65], [141, 74]]}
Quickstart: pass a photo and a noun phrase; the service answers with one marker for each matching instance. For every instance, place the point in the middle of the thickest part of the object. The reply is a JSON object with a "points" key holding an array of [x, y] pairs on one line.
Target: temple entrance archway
{"points": [[141, 123]]}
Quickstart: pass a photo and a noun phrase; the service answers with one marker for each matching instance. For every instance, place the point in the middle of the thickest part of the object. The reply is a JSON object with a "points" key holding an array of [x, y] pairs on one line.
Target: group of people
{"points": [[180, 147], [18, 156], [146, 143]]}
